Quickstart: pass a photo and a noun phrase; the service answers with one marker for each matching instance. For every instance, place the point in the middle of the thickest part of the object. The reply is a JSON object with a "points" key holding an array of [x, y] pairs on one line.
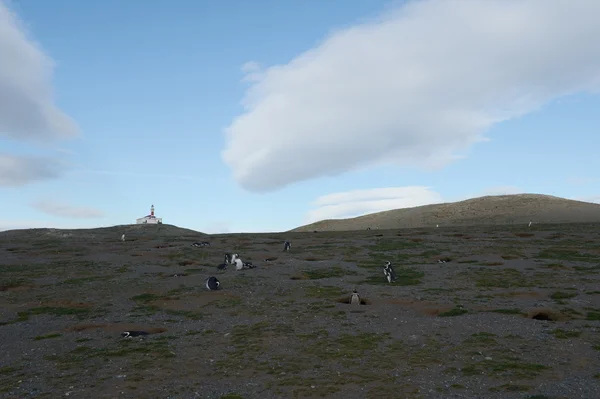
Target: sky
{"points": [[262, 116]]}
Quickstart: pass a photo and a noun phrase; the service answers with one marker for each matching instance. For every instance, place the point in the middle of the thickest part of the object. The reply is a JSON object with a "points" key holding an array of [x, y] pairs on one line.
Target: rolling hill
{"points": [[488, 210]]}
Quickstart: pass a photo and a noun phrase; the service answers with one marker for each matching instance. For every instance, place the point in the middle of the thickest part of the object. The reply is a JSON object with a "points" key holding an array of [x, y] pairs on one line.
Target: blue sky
{"points": [[264, 115]]}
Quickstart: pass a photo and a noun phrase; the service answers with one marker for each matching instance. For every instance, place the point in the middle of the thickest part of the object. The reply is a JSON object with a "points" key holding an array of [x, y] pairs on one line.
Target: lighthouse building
{"points": [[149, 219]]}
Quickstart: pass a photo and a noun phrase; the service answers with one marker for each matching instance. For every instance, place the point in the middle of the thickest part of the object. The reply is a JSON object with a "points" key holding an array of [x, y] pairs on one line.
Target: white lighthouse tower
{"points": [[149, 219]]}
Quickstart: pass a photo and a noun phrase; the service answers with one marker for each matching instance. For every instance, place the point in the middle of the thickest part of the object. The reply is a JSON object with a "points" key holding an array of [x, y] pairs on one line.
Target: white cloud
{"points": [[359, 202], [417, 87], [65, 210], [16, 171], [27, 108]]}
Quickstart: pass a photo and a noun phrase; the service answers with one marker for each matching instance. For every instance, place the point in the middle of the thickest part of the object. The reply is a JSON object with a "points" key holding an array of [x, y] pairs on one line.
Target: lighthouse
{"points": [[149, 219]]}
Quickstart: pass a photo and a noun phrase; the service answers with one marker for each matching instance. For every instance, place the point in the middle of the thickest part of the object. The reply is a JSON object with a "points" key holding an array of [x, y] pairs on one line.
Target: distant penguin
{"points": [[123, 237], [212, 283], [529, 224], [228, 258], [355, 299], [248, 265], [286, 246], [389, 272], [129, 334]]}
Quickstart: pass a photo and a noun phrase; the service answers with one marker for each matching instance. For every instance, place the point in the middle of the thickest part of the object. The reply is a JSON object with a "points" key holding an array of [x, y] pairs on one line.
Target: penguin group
{"points": [[201, 244]]}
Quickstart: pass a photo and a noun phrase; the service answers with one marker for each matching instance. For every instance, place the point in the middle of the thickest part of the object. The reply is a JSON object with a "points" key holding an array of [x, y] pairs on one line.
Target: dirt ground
{"points": [[514, 312]]}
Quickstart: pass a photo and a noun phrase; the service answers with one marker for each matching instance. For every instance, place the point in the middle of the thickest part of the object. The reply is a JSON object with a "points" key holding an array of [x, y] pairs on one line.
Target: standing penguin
{"points": [[123, 237], [286, 246], [355, 299], [389, 272]]}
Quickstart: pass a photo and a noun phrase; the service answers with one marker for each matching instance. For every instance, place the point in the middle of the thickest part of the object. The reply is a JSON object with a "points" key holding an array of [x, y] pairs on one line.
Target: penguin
{"points": [[129, 334], [248, 265], [123, 237], [389, 272], [212, 283], [287, 246], [239, 265], [355, 299], [223, 265]]}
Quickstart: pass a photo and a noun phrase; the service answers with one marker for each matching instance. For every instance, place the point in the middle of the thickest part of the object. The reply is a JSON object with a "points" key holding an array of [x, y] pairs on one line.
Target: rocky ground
{"points": [[513, 313]]}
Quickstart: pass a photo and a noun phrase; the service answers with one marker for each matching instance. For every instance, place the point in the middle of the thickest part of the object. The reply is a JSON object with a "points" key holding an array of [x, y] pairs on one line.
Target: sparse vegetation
{"points": [[288, 327]]}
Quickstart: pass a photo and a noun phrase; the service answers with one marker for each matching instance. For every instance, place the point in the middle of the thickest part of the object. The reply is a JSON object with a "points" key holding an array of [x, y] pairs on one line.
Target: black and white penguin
{"points": [[355, 298], [123, 237], [239, 265], [248, 265], [389, 272], [129, 334], [223, 265], [287, 246], [212, 283]]}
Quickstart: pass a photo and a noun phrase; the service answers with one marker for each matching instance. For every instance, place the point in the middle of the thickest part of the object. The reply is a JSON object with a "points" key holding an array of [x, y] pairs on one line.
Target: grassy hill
{"points": [[488, 210]]}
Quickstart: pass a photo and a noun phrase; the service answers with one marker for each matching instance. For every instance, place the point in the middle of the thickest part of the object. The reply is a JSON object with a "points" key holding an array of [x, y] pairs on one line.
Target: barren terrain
{"points": [[513, 313]]}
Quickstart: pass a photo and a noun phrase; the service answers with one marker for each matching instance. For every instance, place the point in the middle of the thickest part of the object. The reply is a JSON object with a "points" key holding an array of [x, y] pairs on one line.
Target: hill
{"points": [[488, 210], [130, 230]]}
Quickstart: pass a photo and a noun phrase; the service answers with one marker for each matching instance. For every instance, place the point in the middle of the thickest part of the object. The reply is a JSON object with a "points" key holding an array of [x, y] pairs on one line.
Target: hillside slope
{"points": [[130, 230], [488, 210]]}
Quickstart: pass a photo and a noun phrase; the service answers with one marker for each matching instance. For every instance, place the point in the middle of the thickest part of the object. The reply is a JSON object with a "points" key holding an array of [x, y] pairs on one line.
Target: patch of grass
{"points": [[482, 338], [386, 244], [567, 254], [504, 278], [84, 280], [141, 349], [558, 295], [6, 284], [189, 314], [335, 271], [146, 298], [565, 334], [226, 303], [510, 388], [194, 271], [510, 367], [80, 313], [47, 336], [8, 370], [323, 291], [593, 315], [453, 312], [507, 311]]}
